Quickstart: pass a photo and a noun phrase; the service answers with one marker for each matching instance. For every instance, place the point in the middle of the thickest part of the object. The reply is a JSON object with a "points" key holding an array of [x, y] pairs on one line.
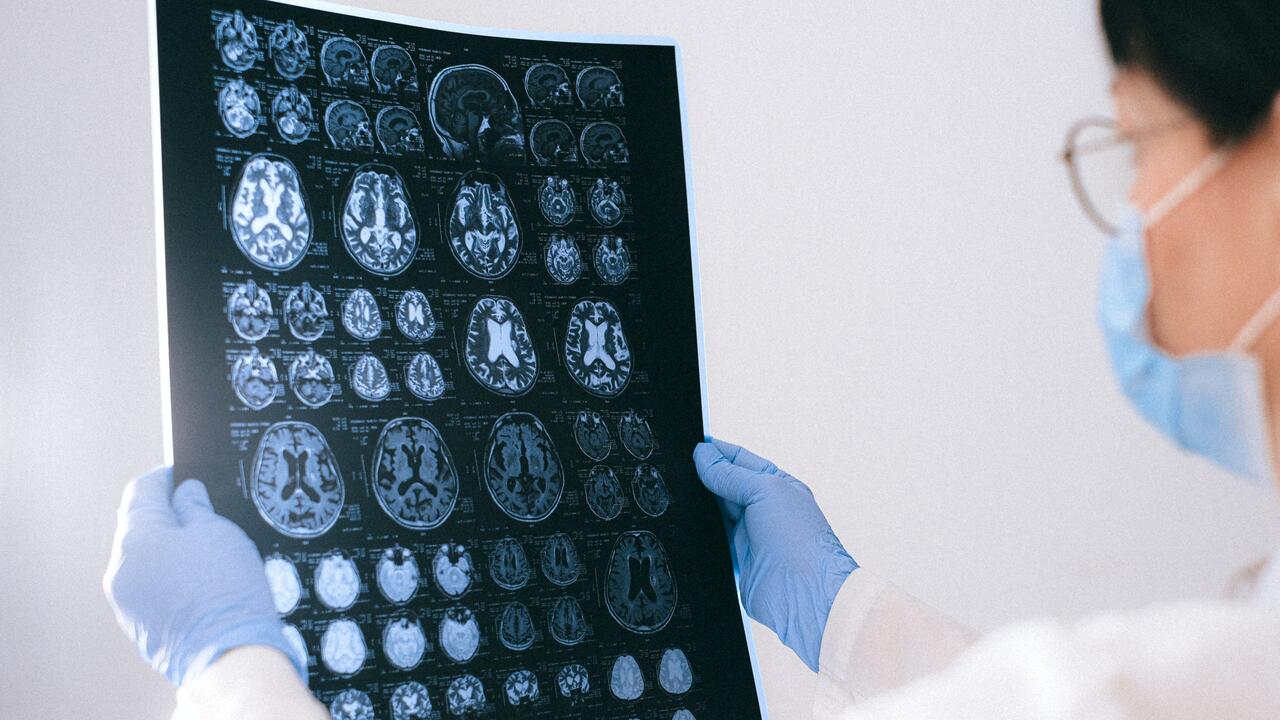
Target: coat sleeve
{"points": [[248, 683]]}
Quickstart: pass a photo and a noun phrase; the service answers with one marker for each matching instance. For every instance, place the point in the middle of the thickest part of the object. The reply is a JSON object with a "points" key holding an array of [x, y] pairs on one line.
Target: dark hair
{"points": [[1220, 58]]}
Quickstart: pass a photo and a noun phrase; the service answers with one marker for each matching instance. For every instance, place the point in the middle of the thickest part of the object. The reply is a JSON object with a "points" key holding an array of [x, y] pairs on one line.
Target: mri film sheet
{"points": [[432, 342]]}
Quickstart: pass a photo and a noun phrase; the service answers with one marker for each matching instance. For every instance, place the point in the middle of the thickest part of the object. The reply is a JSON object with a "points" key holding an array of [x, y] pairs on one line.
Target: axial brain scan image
{"points": [[640, 589], [299, 646], [459, 634], [452, 569], [424, 378], [398, 130], [397, 574], [612, 260], [604, 493], [378, 227], [650, 491], [626, 681], [286, 586], [599, 87], [484, 234], [522, 468], [343, 63], [565, 621], [515, 627], [560, 563], [288, 49], [292, 115], [563, 261], [552, 142], [337, 581], [592, 435], [411, 701], [239, 107], [342, 647], [237, 41], [254, 379], [465, 695], [547, 86], [269, 218], [369, 378], [413, 474], [596, 352], [608, 202], [360, 315], [249, 311], [556, 200], [521, 688], [347, 125], [674, 674], [499, 353], [636, 435], [475, 115], [296, 484], [404, 643], [414, 316], [351, 704], [508, 564], [603, 145], [393, 70], [311, 378], [306, 313]]}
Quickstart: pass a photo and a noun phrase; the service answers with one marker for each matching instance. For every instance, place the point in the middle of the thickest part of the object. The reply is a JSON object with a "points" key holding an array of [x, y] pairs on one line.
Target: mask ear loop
{"points": [[1186, 187], [1258, 324]]}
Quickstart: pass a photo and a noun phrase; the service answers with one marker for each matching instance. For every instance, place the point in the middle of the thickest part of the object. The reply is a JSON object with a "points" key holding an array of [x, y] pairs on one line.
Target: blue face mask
{"points": [[1209, 403]]}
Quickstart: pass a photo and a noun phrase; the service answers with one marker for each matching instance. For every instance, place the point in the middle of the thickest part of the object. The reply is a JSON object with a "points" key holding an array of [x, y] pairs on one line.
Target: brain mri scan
{"points": [[604, 493], [612, 260], [565, 621], [342, 647], [598, 88], [465, 695], [288, 49], [475, 115], [560, 562], [414, 317], [306, 312], [292, 115], [343, 63], [521, 688], [369, 378], [424, 378], [249, 311], [515, 627], [522, 469], [337, 581], [556, 200], [254, 379], [414, 476], [411, 701], [360, 316], [573, 682], [347, 125], [636, 435], [592, 435], [398, 130], [484, 233], [547, 86], [351, 704], [269, 218], [452, 569], [393, 70], [397, 574], [649, 491], [608, 202], [595, 348], [552, 142], [603, 145], [378, 227], [237, 41], [296, 643], [626, 681], [311, 378], [674, 674], [640, 589], [459, 634], [563, 261], [508, 564], [682, 714], [404, 643], [286, 586], [239, 107], [295, 483], [498, 352]]}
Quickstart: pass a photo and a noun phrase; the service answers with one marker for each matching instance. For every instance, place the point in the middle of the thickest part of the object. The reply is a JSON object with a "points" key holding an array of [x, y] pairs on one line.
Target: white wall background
{"points": [[898, 296]]}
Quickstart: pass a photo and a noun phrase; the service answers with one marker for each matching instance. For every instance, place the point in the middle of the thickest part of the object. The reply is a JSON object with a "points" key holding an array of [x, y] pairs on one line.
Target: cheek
{"points": [[1189, 310]]}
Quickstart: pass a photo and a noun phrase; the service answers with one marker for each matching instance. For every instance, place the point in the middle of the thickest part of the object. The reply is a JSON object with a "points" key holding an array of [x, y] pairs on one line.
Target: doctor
{"points": [[1189, 298]]}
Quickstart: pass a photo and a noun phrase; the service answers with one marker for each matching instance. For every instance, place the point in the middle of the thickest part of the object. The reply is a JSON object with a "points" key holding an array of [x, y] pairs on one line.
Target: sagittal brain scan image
{"points": [[239, 107], [397, 574], [342, 647], [522, 468], [411, 701], [269, 218], [674, 674], [351, 704], [292, 115], [552, 142], [547, 86], [337, 581], [311, 378], [237, 41], [348, 127], [465, 695], [556, 200], [640, 589], [636, 435], [369, 378], [573, 682], [452, 569], [288, 49], [393, 70], [459, 634], [608, 202], [603, 145], [398, 130], [508, 565], [413, 474], [603, 493], [254, 379], [592, 435], [498, 352], [414, 317], [424, 378], [596, 352], [249, 311], [378, 227], [650, 491], [343, 63], [360, 316], [475, 115], [521, 688], [611, 259], [296, 484], [566, 623], [484, 234], [404, 642], [515, 627], [306, 313], [626, 681], [286, 586], [599, 87], [560, 563]]}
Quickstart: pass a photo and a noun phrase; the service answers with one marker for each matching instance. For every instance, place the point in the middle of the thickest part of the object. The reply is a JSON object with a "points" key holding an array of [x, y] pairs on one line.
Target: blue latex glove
{"points": [[187, 584], [790, 563]]}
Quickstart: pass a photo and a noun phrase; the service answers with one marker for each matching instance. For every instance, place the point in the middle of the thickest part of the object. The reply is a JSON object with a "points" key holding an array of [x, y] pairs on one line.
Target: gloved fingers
{"points": [[146, 501], [732, 512], [741, 549], [191, 502], [743, 457], [728, 481]]}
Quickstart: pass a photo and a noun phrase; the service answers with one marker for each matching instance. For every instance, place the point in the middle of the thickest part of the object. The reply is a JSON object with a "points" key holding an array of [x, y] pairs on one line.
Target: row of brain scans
{"points": [[256, 380]]}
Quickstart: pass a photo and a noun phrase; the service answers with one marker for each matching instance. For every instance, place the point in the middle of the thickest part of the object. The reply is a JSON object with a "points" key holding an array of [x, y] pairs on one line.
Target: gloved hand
{"points": [[790, 563], [187, 584]]}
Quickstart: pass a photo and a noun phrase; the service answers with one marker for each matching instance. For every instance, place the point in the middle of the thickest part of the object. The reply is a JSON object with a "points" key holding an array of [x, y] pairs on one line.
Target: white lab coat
{"points": [[888, 656]]}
